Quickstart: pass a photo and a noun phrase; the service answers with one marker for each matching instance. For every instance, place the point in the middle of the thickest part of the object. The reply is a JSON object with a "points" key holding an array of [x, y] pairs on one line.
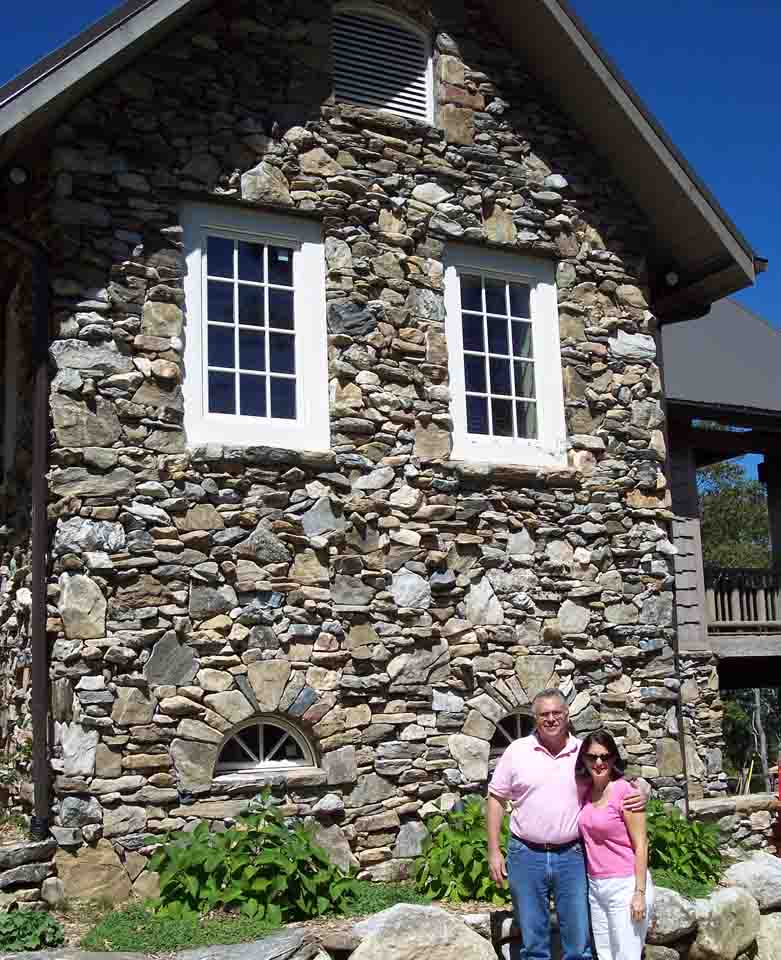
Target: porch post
{"points": [[770, 475]]}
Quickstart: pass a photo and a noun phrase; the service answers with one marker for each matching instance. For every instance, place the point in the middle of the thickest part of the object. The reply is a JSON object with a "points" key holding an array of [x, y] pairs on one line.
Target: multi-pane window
{"points": [[250, 354], [255, 332], [498, 357], [504, 355], [264, 744], [509, 729]]}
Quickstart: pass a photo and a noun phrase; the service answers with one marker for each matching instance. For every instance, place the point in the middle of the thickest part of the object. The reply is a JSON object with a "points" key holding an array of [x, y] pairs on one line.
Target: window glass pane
{"points": [[495, 301], [232, 753], [253, 396], [474, 373], [519, 300], [291, 750], [221, 346], [476, 415], [283, 398], [472, 328], [524, 379], [280, 309], [502, 414], [280, 265], [471, 292], [220, 302], [250, 261], [251, 306], [500, 376], [527, 419], [222, 396], [251, 736], [281, 348], [522, 339], [252, 350], [219, 257], [497, 335]]}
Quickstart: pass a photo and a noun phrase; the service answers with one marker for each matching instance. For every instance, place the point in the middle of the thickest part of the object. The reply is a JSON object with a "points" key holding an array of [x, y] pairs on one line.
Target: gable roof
{"points": [[691, 235], [728, 361]]}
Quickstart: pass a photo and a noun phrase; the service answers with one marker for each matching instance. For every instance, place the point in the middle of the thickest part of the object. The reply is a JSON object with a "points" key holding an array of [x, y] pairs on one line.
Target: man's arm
{"points": [[636, 801], [494, 813]]}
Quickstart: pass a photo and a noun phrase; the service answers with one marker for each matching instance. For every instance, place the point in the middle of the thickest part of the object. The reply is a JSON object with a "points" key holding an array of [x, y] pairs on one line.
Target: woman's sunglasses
{"points": [[598, 757]]}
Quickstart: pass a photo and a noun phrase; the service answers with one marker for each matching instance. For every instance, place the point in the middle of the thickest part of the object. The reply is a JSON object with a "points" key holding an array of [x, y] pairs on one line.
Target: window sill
{"points": [[500, 452], [254, 780], [515, 474]]}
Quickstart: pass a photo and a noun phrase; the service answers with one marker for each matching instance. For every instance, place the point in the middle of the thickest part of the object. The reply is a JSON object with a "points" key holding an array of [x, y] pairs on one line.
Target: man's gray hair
{"points": [[550, 693]]}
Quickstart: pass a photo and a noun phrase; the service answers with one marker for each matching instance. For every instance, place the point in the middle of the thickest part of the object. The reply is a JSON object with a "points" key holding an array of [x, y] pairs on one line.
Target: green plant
{"points": [[29, 930], [136, 929], [262, 867], [693, 889], [682, 848], [454, 862], [373, 897]]}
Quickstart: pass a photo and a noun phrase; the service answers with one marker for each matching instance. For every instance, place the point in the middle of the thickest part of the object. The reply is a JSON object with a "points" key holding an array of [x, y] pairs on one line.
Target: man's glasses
{"points": [[552, 714]]}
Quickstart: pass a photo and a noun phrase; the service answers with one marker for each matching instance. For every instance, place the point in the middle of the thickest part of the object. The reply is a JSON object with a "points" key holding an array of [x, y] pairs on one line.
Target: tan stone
{"points": [[108, 763], [268, 679], [458, 124], [203, 516], [93, 873], [499, 226], [161, 319], [451, 70], [147, 886], [319, 163], [132, 706], [432, 442], [307, 568]]}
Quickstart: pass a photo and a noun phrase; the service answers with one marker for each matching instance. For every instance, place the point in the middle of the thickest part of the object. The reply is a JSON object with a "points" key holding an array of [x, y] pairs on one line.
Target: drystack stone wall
{"points": [[746, 822], [390, 602]]}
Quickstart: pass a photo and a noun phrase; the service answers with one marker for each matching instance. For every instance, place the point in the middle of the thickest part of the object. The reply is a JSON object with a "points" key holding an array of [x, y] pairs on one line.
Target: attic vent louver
{"points": [[379, 63]]}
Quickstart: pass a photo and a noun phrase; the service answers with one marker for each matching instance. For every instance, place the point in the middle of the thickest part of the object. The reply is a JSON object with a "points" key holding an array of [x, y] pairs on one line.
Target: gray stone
{"points": [[132, 707], [232, 705], [672, 918], [321, 519], [633, 346], [761, 876], [67, 836], [769, 937], [471, 755], [78, 355], [371, 788], [340, 766], [265, 183], [355, 320], [122, 820], [79, 811], [520, 544], [430, 193], [482, 604], [727, 923], [351, 591], [25, 851], [410, 590], [275, 946], [332, 839], [407, 931], [78, 425], [376, 480], [207, 602], [263, 546], [80, 482], [27, 873], [53, 891], [194, 763], [82, 607], [410, 839], [422, 666], [78, 750], [171, 662], [573, 617]]}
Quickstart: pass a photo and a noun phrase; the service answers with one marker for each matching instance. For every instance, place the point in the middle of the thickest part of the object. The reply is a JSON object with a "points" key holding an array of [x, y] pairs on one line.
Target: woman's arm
{"points": [[635, 825], [635, 802]]}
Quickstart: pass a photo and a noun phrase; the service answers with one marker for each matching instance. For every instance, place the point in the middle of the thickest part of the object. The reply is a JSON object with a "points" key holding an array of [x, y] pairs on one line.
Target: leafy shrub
{"points": [[262, 867], [454, 862], [137, 930], [29, 930], [693, 889], [681, 848]]}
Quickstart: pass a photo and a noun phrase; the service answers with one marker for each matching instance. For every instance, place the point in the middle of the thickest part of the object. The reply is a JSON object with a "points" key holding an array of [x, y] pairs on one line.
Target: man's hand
{"points": [[636, 802], [496, 867]]}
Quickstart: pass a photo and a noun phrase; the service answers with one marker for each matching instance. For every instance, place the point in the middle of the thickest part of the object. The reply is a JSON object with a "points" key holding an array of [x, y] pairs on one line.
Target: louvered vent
{"points": [[380, 64]]}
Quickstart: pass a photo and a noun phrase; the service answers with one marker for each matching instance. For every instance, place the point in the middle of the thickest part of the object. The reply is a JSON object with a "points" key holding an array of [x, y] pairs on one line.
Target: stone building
{"points": [[353, 423]]}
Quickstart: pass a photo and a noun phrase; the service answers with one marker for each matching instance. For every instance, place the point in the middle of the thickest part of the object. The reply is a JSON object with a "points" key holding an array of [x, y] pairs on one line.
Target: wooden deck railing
{"points": [[743, 600]]}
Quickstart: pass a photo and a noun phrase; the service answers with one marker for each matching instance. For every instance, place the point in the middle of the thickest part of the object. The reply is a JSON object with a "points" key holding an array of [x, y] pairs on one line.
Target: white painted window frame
{"points": [[383, 13], [310, 429], [549, 449], [233, 771]]}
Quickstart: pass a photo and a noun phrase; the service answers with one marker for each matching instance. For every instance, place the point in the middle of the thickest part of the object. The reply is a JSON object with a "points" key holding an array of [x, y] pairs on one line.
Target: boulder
{"points": [[408, 931], [25, 851], [93, 873], [769, 937], [761, 876], [727, 923], [673, 916], [276, 946]]}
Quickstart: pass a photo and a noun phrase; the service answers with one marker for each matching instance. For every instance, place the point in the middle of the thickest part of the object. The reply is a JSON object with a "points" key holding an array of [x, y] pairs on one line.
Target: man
{"points": [[537, 775]]}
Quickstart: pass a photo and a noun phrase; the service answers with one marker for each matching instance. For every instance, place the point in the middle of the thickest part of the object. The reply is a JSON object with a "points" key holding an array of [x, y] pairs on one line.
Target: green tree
{"points": [[733, 508]]}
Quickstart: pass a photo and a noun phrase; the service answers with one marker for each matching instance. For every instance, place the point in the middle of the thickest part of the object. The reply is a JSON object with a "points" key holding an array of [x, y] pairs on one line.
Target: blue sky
{"points": [[710, 70]]}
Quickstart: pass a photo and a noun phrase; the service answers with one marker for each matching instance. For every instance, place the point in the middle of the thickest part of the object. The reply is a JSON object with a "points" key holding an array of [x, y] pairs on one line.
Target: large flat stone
{"points": [[171, 662], [93, 873], [82, 607]]}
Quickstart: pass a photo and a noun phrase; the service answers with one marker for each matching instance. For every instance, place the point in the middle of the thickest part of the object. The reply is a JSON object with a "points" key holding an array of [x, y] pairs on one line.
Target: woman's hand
{"points": [[637, 906]]}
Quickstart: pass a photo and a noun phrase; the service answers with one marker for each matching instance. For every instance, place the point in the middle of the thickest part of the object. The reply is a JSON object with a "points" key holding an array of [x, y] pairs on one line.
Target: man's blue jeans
{"points": [[533, 875]]}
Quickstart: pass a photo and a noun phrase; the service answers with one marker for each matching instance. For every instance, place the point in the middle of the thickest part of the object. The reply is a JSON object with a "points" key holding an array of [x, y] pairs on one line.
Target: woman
{"points": [[620, 888]]}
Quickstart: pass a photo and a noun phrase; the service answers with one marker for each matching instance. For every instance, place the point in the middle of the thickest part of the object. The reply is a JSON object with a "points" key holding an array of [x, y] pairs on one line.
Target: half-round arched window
{"points": [[263, 744], [381, 60], [508, 729]]}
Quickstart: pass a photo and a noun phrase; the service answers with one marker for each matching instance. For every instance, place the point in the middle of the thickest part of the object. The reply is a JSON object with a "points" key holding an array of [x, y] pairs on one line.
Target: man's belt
{"points": [[547, 847]]}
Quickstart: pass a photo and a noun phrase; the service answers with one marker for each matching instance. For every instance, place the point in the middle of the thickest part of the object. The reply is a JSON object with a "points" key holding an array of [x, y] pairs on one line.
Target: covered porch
{"points": [[723, 370]]}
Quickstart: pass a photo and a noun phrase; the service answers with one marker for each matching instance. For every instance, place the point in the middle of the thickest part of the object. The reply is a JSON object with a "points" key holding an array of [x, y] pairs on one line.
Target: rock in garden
{"points": [[727, 923], [93, 873], [408, 932], [673, 917], [761, 876]]}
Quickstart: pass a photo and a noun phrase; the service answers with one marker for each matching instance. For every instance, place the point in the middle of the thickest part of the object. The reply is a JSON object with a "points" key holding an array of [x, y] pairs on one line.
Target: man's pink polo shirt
{"points": [[541, 788]]}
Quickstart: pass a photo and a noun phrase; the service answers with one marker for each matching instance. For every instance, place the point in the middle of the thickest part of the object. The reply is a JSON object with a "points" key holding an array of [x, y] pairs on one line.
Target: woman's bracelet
{"points": [[639, 889]]}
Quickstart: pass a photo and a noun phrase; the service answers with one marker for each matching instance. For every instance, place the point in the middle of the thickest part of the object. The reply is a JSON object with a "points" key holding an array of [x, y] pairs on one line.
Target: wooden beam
{"points": [[746, 646], [731, 443]]}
